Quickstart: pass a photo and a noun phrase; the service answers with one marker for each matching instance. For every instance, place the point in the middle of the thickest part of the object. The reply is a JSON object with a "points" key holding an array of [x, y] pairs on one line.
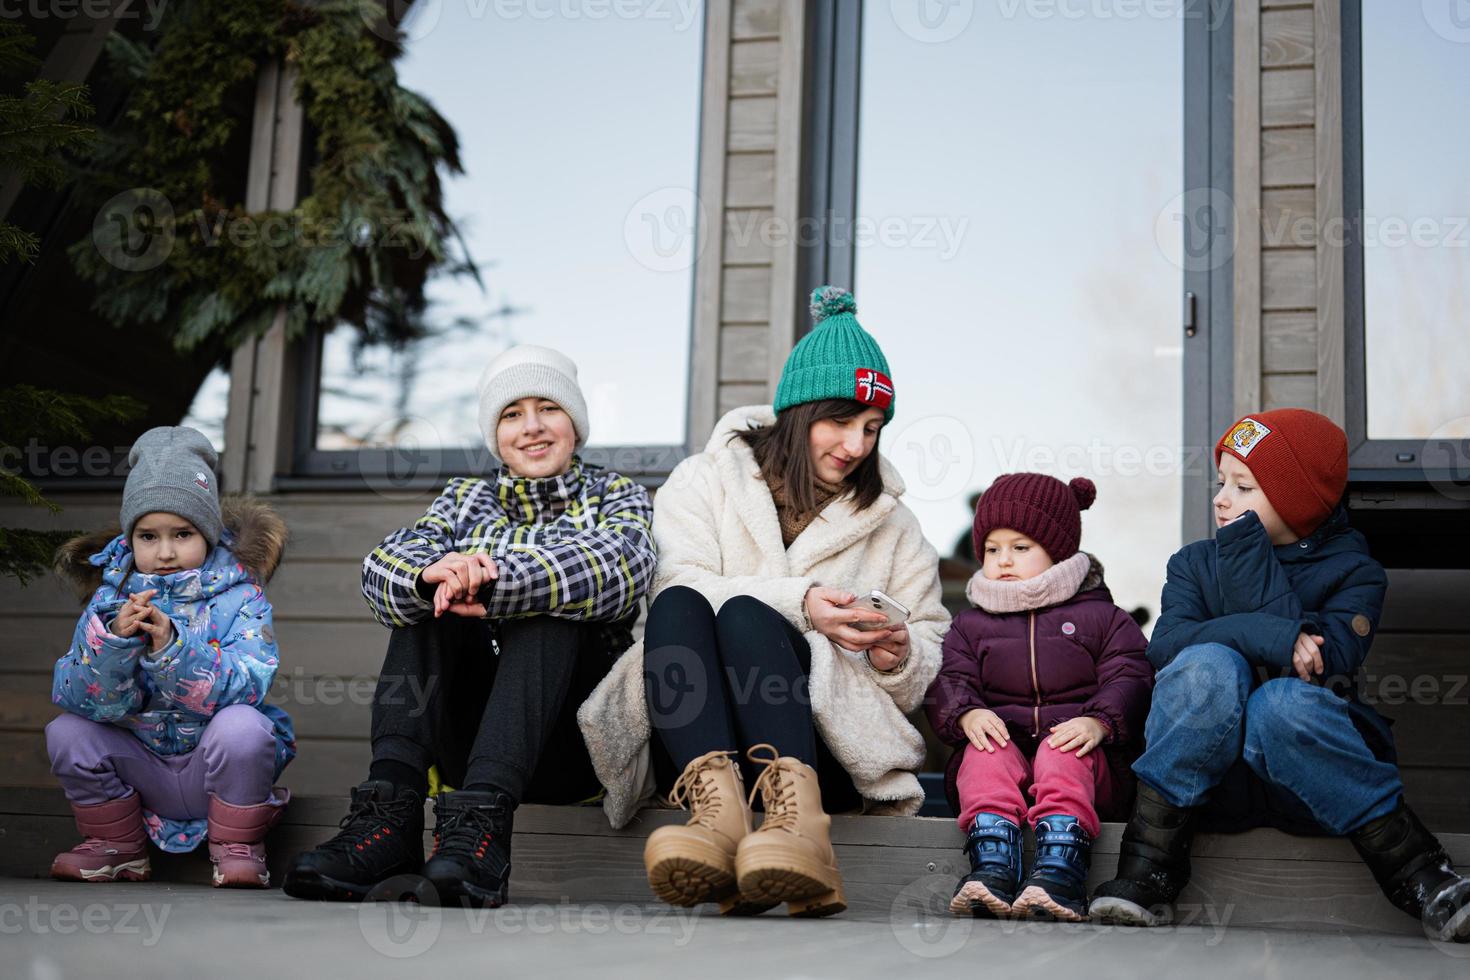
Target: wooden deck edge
{"points": [[898, 869], [324, 812]]}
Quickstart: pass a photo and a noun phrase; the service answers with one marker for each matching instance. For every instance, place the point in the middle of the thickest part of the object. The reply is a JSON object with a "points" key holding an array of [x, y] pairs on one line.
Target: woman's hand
{"points": [[888, 654], [980, 725], [1306, 656], [126, 622], [831, 616], [1083, 733], [459, 578]]}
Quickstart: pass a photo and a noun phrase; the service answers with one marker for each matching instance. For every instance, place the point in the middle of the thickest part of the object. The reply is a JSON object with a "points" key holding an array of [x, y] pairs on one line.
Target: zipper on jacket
{"points": [[1035, 684]]}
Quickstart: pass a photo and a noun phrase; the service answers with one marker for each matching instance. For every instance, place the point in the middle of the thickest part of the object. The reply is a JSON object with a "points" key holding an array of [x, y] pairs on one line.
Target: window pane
{"points": [[211, 404], [578, 130], [1416, 222], [1027, 287]]}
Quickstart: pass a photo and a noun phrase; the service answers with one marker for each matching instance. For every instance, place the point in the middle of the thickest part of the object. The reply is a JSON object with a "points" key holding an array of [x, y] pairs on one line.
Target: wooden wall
{"points": [[745, 311], [1288, 184]]}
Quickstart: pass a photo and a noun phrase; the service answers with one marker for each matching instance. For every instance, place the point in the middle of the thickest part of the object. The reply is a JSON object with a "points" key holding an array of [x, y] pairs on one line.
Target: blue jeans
{"points": [[1297, 737]]}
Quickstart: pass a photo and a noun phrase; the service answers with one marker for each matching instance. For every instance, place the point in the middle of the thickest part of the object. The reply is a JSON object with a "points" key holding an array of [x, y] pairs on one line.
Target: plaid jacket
{"points": [[575, 546]]}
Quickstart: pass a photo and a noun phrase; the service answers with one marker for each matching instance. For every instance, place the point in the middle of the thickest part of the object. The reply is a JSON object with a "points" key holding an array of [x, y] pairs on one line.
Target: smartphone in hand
{"points": [[876, 601]]}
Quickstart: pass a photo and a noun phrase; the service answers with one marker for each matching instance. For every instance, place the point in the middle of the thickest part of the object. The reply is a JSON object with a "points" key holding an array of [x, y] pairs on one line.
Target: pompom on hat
{"points": [[837, 359], [1299, 458], [1041, 507]]}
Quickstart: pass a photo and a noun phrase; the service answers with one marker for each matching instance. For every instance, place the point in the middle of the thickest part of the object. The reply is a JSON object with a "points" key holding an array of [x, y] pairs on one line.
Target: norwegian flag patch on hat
{"points": [[873, 388]]}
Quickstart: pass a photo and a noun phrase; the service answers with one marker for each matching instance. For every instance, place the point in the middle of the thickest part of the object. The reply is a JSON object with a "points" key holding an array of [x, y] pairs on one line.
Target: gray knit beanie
{"points": [[173, 472], [529, 371]]}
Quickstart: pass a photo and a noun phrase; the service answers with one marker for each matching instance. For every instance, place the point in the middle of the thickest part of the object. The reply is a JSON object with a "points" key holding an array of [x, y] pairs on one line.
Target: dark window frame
{"points": [[1207, 318], [831, 99]]}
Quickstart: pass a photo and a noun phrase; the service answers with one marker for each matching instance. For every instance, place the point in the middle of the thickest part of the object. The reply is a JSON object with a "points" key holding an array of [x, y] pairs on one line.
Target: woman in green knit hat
{"points": [[762, 651]]}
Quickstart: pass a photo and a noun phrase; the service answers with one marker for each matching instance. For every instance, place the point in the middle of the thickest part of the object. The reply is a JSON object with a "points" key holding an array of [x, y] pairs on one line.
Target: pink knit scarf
{"points": [[1055, 585]]}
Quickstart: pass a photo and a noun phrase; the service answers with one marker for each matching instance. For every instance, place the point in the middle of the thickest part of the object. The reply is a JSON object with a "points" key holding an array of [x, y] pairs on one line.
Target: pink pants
{"points": [[1059, 783]]}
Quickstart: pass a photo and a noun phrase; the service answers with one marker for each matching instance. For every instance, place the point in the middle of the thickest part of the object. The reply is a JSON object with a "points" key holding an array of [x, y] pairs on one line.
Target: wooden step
{"points": [[896, 866]]}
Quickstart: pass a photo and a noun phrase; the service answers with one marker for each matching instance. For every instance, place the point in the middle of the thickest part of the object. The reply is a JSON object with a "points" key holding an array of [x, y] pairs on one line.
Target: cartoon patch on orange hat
{"points": [[1246, 435]]}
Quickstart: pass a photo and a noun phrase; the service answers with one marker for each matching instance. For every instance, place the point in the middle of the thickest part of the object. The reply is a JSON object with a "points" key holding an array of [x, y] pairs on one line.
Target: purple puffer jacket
{"points": [[1038, 668], [1074, 654]]}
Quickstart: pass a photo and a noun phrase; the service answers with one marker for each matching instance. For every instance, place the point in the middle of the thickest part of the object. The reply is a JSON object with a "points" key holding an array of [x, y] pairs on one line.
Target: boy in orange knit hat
{"points": [[1255, 718]]}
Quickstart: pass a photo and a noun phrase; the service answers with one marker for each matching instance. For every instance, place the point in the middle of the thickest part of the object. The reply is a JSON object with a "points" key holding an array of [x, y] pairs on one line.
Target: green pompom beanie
{"points": [[838, 359]]}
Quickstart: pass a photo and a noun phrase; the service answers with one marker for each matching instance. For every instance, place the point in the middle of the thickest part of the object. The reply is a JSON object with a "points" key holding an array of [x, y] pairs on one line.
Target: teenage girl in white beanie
{"points": [[508, 601]]}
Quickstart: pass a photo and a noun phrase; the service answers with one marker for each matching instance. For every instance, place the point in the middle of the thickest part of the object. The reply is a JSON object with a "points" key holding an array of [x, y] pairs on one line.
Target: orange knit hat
{"points": [[1299, 458]]}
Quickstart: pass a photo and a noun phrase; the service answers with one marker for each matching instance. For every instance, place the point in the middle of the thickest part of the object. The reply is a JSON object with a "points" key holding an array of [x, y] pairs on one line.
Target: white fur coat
{"points": [[716, 529]]}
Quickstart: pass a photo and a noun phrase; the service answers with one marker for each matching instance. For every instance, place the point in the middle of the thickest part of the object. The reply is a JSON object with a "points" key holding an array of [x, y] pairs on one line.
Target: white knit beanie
{"points": [[529, 371]]}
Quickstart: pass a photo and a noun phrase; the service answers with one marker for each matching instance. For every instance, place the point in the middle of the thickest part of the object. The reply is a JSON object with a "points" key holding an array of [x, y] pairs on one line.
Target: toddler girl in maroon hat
{"points": [[1043, 671]]}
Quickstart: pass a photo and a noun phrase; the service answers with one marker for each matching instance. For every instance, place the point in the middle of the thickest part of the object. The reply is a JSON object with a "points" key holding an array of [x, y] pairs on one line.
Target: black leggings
{"points": [[730, 681], [492, 703]]}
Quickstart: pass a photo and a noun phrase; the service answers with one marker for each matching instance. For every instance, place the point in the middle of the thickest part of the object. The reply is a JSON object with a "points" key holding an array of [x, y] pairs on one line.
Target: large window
{"points": [[578, 133], [1413, 233], [1018, 256]]}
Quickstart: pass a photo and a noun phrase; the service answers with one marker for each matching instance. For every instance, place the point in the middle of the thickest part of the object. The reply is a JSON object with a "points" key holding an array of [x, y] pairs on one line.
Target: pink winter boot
{"points": [[115, 845], [237, 840]]}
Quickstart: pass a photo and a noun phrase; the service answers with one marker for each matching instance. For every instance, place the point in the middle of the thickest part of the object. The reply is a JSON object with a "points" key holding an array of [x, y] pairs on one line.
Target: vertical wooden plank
{"points": [[234, 463], [704, 345], [1331, 320], [1247, 192], [788, 186], [273, 405]]}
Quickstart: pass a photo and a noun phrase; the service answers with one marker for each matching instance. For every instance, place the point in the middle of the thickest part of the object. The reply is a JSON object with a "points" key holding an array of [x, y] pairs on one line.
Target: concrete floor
{"points": [[53, 930]]}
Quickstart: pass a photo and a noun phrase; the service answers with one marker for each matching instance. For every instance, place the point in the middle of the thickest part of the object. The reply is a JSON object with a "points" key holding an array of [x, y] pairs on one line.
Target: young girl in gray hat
{"points": [[166, 733]]}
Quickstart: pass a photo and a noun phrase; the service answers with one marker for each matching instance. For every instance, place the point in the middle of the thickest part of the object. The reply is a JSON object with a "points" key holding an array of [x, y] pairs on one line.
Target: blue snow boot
{"points": [[994, 848], [1056, 888]]}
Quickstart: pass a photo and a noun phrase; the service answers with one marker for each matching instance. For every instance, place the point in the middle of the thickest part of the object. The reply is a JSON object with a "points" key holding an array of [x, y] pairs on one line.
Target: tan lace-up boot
{"points": [[790, 858], [695, 862]]}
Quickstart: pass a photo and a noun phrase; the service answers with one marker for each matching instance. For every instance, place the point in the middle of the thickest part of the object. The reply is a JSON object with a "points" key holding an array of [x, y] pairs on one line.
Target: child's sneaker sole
{"points": [[221, 880], [138, 870], [975, 900], [1121, 912], [1036, 903]]}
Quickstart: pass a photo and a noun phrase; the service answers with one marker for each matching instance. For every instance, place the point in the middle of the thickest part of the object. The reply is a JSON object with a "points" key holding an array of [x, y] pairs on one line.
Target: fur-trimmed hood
{"points": [[254, 533]]}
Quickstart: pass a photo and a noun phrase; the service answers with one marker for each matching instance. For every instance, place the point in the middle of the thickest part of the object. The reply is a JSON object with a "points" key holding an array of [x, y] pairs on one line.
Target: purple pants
{"points": [[97, 762]]}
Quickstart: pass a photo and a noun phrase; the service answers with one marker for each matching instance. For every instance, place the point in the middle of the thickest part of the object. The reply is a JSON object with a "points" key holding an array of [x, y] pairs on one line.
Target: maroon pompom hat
{"points": [[1041, 507]]}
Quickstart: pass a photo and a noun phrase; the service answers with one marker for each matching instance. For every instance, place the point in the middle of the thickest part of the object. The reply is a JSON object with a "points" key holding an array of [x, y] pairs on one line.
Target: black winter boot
{"points": [[1056, 888], [382, 836], [1153, 864], [994, 849], [471, 860], [1415, 873]]}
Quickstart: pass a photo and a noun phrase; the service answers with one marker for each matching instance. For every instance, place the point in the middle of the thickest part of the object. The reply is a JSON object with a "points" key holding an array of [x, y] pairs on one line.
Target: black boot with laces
{"points": [[382, 836], [471, 860]]}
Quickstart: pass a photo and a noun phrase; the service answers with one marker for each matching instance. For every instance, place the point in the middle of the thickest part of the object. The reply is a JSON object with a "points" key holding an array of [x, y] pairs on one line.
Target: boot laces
{"points": [[366, 816], [695, 793], [777, 793], [467, 830]]}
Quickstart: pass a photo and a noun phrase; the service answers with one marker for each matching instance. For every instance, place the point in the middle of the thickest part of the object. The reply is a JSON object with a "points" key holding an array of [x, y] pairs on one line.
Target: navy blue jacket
{"points": [[1255, 597]]}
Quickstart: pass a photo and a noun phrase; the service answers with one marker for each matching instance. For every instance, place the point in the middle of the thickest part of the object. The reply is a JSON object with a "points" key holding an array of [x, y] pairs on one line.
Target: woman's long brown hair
{"points": [[782, 453]]}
